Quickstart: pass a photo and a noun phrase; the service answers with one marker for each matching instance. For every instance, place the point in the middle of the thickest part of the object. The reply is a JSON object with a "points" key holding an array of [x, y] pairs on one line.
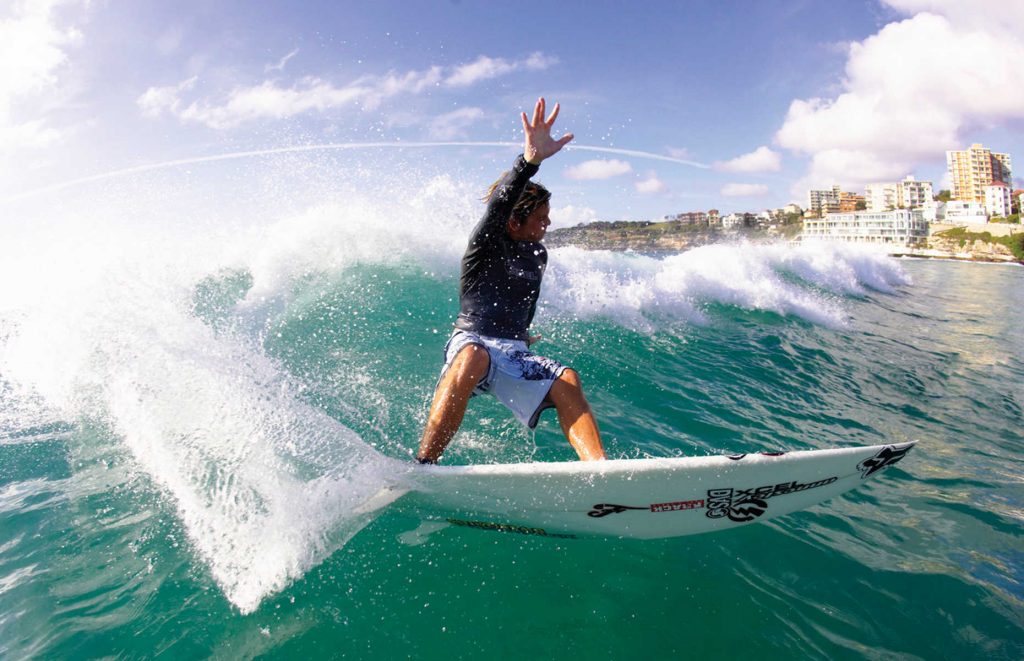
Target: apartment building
{"points": [[850, 201], [881, 197], [971, 170], [693, 218], [966, 212], [998, 201], [820, 202], [913, 194], [900, 227], [907, 194]]}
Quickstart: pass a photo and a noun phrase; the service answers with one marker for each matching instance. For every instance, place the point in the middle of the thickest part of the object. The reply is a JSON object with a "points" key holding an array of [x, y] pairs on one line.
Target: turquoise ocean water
{"points": [[203, 372]]}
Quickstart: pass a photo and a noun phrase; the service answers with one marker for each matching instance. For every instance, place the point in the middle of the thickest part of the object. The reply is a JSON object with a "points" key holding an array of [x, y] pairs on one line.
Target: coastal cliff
{"points": [[647, 236], [960, 243]]}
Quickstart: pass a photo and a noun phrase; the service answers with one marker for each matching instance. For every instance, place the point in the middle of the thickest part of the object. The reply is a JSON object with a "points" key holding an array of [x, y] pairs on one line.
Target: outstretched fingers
{"points": [[538, 112], [554, 114], [539, 144]]}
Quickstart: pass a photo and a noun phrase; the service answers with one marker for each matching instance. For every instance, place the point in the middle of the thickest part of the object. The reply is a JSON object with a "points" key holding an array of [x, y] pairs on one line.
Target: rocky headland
{"points": [[1002, 245]]}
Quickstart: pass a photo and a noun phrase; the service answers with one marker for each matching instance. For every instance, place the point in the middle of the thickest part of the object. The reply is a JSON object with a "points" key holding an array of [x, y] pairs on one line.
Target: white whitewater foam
{"points": [[265, 485], [641, 292], [96, 321]]}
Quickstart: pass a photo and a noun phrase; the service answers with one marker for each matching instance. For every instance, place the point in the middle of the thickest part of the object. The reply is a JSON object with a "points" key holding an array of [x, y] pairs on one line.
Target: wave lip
{"points": [[640, 292]]}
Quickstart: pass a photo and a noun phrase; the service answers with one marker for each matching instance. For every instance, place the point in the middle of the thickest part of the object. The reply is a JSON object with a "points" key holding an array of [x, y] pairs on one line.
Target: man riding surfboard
{"points": [[501, 274]]}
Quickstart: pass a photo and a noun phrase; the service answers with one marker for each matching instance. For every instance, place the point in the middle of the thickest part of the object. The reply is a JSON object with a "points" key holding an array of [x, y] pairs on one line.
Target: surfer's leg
{"points": [[575, 416], [450, 400]]}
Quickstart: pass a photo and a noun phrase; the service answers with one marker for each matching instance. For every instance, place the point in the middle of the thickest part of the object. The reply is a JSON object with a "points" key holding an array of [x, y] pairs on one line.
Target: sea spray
{"points": [[646, 292], [265, 483]]}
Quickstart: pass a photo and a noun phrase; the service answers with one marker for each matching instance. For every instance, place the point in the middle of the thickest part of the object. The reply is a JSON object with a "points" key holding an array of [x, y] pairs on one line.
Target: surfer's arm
{"points": [[503, 199], [538, 145]]}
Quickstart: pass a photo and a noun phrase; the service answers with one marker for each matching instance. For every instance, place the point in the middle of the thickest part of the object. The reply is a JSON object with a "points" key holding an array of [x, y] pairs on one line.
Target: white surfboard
{"points": [[640, 498]]}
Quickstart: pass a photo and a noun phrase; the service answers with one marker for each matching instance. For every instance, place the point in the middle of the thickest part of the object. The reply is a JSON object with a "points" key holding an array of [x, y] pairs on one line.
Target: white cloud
{"points": [[651, 185], [453, 125], [990, 15], [156, 100], [598, 169], [485, 68], [744, 190], [281, 63], [33, 134], [761, 159], [570, 216], [32, 53], [538, 61], [272, 99], [912, 91]]}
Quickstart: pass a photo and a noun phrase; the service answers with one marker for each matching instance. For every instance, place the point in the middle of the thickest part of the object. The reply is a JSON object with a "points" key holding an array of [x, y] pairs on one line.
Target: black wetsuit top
{"points": [[500, 279]]}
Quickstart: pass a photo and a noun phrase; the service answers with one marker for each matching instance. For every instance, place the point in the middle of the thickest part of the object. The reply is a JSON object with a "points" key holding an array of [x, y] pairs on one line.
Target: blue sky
{"points": [[755, 101]]}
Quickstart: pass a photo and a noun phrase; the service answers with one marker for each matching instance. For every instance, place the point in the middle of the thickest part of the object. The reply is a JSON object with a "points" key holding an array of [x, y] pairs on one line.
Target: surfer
{"points": [[489, 352]]}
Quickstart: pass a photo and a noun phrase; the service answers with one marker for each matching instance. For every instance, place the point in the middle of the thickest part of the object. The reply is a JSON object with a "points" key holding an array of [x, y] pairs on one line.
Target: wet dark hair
{"points": [[532, 197]]}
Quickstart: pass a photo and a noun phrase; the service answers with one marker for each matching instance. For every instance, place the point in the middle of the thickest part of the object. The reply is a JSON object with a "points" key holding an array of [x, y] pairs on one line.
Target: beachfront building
{"points": [[693, 218], [732, 220], [820, 202], [850, 202], [966, 212], [997, 200], [880, 197], [934, 211], [971, 170], [907, 194], [913, 194], [900, 227], [792, 208]]}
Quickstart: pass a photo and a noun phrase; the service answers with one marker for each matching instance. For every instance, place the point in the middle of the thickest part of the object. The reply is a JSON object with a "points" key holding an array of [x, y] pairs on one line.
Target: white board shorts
{"points": [[518, 378]]}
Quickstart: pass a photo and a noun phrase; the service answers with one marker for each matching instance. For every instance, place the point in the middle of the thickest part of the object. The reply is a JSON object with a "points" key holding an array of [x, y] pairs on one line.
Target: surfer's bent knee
{"points": [[571, 378], [472, 362]]}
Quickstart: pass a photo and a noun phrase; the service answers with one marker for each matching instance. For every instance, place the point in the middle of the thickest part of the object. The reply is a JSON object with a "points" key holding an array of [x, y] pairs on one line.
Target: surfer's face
{"points": [[534, 227]]}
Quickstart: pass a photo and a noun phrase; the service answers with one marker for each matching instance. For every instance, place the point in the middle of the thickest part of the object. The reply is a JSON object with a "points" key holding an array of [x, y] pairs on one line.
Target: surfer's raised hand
{"points": [[538, 143]]}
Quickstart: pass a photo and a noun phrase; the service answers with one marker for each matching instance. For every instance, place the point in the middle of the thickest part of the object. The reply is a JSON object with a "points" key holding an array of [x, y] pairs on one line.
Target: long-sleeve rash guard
{"points": [[500, 279]]}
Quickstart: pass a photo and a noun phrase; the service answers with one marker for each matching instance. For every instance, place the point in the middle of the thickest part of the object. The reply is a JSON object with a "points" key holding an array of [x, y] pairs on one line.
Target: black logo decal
{"points": [[742, 505], [887, 456], [748, 510], [604, 509]]}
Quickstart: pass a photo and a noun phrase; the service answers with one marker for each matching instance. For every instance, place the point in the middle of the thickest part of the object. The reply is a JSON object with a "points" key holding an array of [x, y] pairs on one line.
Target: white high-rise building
{"points": [[997, 200], [907, 194], [823, 201], [881, 197], [913, 194]]}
